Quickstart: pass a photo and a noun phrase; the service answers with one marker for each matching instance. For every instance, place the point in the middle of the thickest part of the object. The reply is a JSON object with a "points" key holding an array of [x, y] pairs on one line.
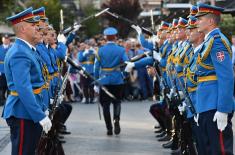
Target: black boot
{"points": [[162, 134], [168, 144], [117, 128], [167, 137], [110, 132], [158, 131]]}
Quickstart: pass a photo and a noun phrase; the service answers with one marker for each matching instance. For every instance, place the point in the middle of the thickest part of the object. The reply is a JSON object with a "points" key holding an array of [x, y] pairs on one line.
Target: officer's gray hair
{"points": [[216, 18], [17, 27]]}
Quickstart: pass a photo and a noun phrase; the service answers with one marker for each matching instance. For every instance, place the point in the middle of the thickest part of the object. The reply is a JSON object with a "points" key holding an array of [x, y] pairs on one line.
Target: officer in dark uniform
{"points": [[214, 100], [107, 58], [24, 108], [3, 83]]}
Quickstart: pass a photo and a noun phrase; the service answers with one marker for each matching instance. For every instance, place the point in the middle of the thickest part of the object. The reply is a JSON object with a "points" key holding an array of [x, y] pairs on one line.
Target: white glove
{"points": [[96, 89], [182, 108], [61, 98], [61, 38], [222, 119], [46, 112], [92, 50], [196, 119], [155, 38], [129, 66], [181, 95], [171, 93], [156, 56], [137, 28], [51, 101], [85, 52], [46, 124], [76, 28]]}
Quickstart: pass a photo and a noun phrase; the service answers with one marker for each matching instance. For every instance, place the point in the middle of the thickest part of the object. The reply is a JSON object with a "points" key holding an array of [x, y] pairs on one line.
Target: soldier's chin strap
{"points": [[83, 72]]}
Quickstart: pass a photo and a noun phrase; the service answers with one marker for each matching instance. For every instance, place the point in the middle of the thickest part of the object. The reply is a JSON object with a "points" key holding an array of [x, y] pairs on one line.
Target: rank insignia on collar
{"points": [[220, 56]]}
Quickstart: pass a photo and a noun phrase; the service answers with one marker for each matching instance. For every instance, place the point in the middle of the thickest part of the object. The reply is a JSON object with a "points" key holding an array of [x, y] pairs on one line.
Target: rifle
{"points": [[49, 144], [145, 30], [188, 101], [152, 22], [61, 20], [84, 73], [176, 98], [67, 30], [183, 126]]}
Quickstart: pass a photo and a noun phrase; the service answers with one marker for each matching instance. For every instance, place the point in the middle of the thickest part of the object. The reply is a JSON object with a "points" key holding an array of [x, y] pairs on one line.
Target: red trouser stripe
{"points": [[221, 139], [21, 137]]}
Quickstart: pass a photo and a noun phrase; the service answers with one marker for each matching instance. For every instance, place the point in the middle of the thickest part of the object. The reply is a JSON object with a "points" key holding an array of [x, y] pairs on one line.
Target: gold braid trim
{"points": [[164, 51], [183, 52], [227, 46], [207, 52], [97, 55], [206, 66], [189, 75]]}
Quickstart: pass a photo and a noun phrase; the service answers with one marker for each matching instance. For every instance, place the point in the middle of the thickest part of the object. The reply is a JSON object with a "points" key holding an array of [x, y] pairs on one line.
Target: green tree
{"points": [[227, 25], [127, 8], [92, 26], [8, 8], [52, 10]]}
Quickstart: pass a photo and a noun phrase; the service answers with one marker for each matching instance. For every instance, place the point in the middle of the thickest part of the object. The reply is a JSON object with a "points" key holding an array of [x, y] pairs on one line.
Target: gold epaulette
{"points": [[228, 47], [97, 54]]}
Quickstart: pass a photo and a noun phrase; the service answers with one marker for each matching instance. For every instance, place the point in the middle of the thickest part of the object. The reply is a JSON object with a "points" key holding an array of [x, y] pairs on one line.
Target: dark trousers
{"points": [[157, 111], [87, 88], [25, 135], [64, 111], [218, 143], [106, 100], [198, 138], [3, 89]]}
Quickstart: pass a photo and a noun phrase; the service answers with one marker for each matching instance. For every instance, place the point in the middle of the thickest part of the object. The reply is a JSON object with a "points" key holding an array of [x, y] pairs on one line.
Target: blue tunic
{"points": [[23, 74], [215, 74], [108, 57]]}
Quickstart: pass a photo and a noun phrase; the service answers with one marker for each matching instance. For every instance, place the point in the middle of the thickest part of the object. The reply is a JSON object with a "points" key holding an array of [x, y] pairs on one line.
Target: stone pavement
{"points": [[89, 133]]}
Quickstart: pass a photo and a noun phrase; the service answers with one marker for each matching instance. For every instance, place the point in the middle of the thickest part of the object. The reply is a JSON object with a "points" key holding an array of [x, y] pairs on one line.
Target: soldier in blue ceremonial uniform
{"points": [[196, 39], [42, 51], [24, 108], [214, 101], [181, 54], [108, 57], [3, 83], [165, 48], [86, 57]]}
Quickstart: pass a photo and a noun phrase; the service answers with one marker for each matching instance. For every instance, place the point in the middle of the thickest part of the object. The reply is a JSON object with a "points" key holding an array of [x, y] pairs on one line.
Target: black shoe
{"points": [[157, 127], [117, 128], [161, 134], [91, 101], [168, 145], [110, 132], [165, 138], [60, 137], [87, 102], [62, 141], [176, 151], [158, 131], [64, 132]]}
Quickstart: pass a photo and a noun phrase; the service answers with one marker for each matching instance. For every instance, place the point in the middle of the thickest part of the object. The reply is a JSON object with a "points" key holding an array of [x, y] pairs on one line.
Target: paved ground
{"points": [[89, 134]]}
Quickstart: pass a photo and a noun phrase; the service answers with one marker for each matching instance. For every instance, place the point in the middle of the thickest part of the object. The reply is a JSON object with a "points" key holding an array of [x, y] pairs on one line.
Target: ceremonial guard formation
{"points": [[189, 61]]}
